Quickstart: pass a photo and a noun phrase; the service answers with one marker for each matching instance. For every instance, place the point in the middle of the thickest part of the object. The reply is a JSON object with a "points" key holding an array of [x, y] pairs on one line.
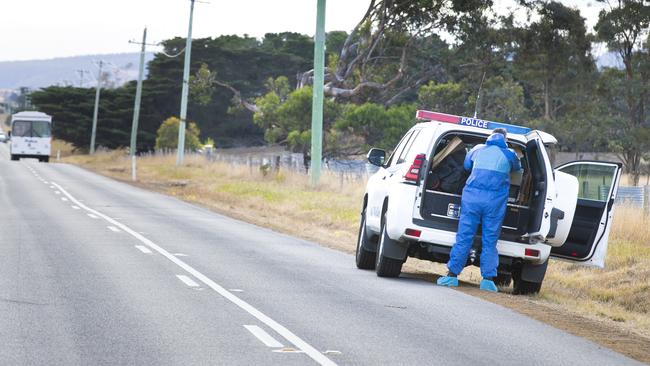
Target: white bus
{"points": [[31, 136]]}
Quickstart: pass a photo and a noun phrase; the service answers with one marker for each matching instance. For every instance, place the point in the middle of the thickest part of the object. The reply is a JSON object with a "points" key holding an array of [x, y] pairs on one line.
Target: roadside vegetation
{"points": [[458, 57], [617, 297]]}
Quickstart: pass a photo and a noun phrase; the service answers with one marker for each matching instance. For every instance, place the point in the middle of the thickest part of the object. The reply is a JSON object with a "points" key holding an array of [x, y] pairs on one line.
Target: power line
{"points": [[81, 76]]}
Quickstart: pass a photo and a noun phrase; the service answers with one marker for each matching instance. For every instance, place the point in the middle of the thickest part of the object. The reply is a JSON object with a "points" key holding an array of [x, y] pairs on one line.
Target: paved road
{"points": [[96, 272]]}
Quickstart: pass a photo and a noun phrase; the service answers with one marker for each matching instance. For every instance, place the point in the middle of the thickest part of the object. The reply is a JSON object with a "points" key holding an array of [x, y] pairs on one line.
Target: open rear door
{"points": [[588, 237], [543, 190], [567, 187]]}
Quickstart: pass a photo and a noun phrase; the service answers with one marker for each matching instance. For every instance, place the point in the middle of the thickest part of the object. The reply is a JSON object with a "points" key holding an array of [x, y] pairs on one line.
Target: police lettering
{"points": [[466, 121]]}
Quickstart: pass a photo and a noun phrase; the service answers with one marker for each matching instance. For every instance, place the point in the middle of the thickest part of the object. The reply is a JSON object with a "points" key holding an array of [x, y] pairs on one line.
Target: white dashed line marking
{"points": [[180, 255], [92, 216], [188, 281], [263, 336], [302, 345], [143, 249], [75, 207], [236, 290], [57, 192], [113, 229], [63, 199]]}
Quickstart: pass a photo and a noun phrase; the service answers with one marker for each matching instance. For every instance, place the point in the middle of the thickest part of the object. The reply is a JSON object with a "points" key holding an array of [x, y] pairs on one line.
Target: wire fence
{"points": [[350, 171]]}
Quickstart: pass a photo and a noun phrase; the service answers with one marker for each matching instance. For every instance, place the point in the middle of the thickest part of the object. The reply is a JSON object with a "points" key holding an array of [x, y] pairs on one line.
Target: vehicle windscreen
{"points": [[31, 129]]}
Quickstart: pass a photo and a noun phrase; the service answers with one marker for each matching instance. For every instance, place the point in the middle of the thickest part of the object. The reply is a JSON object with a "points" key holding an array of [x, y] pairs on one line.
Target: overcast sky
{"points": [[40, 29]]}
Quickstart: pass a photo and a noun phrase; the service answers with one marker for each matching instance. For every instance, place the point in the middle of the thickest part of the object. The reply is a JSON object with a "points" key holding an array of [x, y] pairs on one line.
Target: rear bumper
{"points": [[32, 156], [505, 248]]}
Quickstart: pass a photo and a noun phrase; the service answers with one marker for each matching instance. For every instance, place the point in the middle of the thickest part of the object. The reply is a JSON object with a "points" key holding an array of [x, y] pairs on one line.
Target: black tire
{"points": [[503, 279], [384, 266], [45, 159], [365, 259], [522, 287], [15, 157]]}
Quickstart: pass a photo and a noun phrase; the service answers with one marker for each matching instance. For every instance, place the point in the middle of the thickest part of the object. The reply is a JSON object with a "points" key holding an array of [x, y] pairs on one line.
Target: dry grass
{"points": [[621, 291], [284, 201], [618, 295], [63, 147]]}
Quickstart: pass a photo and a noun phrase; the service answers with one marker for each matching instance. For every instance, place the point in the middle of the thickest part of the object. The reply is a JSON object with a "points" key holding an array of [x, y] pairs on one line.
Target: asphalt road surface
{"points": [[96, 272]]}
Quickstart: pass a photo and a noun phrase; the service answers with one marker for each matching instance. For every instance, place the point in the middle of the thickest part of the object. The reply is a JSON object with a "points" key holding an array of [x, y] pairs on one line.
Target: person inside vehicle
{"points": [[484, 201]]}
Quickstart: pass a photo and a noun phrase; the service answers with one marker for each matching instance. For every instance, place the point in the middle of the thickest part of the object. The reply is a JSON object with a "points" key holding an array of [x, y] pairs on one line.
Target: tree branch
{"points": [[237, 97]]}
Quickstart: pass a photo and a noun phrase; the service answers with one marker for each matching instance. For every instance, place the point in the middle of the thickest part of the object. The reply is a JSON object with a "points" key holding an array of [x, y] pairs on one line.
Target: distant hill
{"points": [[34, 74]]}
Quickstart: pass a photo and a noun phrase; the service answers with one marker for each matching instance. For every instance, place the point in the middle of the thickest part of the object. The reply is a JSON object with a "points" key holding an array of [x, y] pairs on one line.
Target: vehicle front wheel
{"points": [[365, 259], [384, 266]]}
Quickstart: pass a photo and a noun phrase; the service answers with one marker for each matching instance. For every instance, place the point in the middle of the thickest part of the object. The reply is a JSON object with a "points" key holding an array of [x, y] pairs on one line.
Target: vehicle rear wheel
{"points": [[365, 259], [15, 157], [503, 279], [522, 287], [384, 266], [45, 159]]}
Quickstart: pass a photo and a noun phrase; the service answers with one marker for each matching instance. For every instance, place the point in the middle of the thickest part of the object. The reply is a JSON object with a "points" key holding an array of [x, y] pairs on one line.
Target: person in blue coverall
{"points": [[484, 202]]}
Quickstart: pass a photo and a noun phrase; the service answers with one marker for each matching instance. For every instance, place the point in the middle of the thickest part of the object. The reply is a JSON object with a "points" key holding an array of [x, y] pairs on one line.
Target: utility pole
{"points": [[136, 106], [317, 103], [186, 83], [99, 86], [81, 77]]}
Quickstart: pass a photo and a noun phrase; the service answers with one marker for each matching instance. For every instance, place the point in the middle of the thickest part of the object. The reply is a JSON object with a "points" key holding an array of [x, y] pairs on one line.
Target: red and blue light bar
{"points": [[469, 121]]}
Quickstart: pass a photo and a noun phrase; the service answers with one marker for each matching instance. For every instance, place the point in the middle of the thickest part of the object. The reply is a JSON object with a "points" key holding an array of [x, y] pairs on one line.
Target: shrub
{"points": [[167, 135]]}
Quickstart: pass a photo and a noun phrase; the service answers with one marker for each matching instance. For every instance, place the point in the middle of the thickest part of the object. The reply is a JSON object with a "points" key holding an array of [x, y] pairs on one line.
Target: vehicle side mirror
{"points": [[376, 156]]}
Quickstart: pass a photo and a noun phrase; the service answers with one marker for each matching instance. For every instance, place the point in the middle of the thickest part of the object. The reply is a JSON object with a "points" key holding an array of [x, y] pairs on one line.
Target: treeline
{"points": [[244, 62], [538, 71]]}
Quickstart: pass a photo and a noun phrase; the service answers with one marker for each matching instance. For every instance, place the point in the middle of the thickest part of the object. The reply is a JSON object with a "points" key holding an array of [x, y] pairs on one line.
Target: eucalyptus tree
{"points": [[624, 27]]}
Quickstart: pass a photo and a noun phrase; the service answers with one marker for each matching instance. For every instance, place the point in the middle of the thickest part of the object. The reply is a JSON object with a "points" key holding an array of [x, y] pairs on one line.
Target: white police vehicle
{"points": [[411, 206]]}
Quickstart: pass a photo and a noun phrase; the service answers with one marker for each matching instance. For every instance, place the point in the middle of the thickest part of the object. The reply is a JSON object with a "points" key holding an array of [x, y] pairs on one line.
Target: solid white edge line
{"points": [[263, 336], [143, 249], [188, 281], [310, 351]]}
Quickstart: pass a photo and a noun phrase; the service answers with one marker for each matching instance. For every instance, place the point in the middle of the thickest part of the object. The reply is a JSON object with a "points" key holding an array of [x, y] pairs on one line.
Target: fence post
{"points": [[646, 199], [276, 163]]}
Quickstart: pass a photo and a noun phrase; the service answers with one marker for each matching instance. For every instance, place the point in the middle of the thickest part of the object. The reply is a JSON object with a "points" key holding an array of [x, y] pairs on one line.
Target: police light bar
{"points": [[468, 121]]}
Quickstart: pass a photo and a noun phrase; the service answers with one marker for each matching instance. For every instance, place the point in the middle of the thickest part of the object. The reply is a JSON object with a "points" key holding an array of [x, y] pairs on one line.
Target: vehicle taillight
{"points": [[413, 173], [413, 232], [531, 252]]}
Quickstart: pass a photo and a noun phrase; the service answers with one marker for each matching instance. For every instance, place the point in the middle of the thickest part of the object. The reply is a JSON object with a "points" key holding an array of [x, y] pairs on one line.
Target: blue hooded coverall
{"points": [[484, 201]]}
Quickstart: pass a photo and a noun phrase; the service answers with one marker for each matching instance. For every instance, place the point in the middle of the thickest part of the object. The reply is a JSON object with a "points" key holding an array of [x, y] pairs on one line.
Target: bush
{"points": [[167, 135]]}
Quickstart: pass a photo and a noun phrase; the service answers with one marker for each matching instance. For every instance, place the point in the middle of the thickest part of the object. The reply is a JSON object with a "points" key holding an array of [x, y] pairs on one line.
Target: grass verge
{"points": [[609, 306]]}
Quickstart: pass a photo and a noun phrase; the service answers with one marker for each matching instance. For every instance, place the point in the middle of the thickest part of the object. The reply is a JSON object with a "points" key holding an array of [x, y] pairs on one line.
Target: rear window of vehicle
{"points": [[418, 145], [407, 148], [392, 160]]}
